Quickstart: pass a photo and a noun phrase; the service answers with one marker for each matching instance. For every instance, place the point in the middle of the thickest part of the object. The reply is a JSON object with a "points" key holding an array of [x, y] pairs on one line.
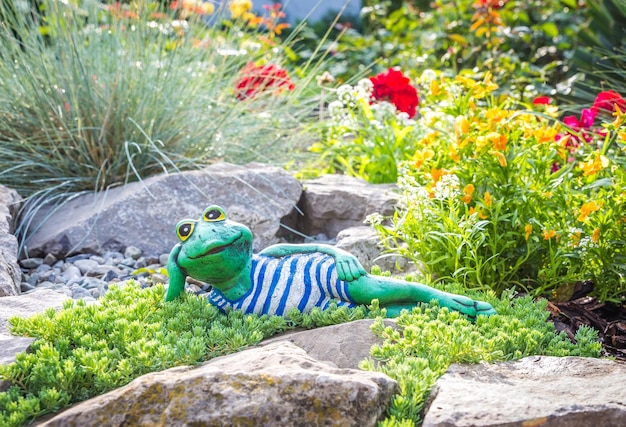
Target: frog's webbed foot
{"points": [[469, 307]]}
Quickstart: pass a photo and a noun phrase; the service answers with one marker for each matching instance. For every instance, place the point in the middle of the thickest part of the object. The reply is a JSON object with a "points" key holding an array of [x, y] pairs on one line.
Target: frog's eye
{"points": [[184, 229], [214, 213]]}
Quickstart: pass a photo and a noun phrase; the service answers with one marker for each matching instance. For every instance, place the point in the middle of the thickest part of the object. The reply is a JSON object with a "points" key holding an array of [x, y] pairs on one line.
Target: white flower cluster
{"points": [[350, 95], [447, 187]]}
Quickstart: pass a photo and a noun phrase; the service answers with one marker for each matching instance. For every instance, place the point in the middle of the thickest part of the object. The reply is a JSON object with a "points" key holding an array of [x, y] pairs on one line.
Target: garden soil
{"points": [[608, 318]]}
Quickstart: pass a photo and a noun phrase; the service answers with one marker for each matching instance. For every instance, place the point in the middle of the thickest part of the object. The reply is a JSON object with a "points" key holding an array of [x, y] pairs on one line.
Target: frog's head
{"points": [[213, 249]]}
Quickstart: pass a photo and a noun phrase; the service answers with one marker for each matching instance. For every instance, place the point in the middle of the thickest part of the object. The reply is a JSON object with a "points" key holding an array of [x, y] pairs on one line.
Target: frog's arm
{"points": [[176, 275], [348, 267]]}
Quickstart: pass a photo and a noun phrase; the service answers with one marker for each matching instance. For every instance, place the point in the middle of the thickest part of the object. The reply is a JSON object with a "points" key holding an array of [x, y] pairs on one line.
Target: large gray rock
{"points": [[535, 391], [364, 243], [10, 274], [145, 214], [275, 385], [344, 345], [332, 203]]}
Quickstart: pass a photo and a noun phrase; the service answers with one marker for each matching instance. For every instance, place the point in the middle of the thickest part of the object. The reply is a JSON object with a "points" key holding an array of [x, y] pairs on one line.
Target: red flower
{"points": [[255, 79], [395, 87], [606, 101], [542, 100]]}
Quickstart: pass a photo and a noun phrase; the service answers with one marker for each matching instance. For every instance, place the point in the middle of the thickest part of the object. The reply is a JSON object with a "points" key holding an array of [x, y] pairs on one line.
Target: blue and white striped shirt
{"points": [[301, 281]]}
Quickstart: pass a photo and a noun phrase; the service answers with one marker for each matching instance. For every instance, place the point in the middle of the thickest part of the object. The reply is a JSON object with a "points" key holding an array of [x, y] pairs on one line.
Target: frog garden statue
{"points": [[281, 277]]}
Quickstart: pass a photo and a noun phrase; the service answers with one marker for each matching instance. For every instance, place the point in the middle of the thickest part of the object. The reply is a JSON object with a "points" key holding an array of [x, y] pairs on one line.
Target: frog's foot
{"points": [[469, 307]]}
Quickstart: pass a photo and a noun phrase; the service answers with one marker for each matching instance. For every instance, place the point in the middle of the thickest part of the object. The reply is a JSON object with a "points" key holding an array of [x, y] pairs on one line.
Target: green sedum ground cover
{"points": [[85, 350]]}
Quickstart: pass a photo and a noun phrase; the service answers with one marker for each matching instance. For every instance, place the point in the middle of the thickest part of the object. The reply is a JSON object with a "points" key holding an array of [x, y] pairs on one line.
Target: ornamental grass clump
{"points": [[96, 94], [496, 196]]}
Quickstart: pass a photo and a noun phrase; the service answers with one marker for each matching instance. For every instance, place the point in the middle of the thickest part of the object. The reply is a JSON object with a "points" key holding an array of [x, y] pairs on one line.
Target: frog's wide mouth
{"points": [[218, 248]]}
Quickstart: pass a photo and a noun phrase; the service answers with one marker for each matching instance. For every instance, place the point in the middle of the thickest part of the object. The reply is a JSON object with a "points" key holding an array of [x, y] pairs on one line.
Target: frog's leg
{"points": [[398, 294], [177, 276]]}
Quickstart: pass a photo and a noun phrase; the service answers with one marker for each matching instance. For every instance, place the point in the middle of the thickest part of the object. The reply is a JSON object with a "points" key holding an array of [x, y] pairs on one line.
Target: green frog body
{"points": [[218, 251]]}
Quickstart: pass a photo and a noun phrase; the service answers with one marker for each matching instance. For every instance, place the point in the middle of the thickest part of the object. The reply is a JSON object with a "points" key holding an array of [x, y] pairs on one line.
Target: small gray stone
{"points": [[80, 292], [31, 263], [71, 272], [98, 259], [140, 263], [43, 268], [77, 257], [159, 278], [163, 258], [110, 275], [132, 252], [85, 265], [25, 287], [92, 283], [129, 262], [49, 259]]}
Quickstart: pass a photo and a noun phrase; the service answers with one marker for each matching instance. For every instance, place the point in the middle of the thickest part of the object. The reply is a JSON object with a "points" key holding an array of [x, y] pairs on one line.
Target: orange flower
{"points": [[500, 156], [487, 198], [454, 154], [528, 229], [596, 235], [586, 209], [595, 165], [468, 190], [548, 234], [545, 134], [436, 174]]}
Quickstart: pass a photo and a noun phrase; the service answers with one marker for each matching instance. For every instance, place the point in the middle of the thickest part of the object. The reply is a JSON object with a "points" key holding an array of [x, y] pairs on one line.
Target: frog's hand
{"points": [[348, 267], [176, 275]]}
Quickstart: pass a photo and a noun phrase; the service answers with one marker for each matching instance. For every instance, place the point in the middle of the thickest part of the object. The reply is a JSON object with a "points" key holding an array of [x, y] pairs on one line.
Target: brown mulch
{"points": [[609, 319]]}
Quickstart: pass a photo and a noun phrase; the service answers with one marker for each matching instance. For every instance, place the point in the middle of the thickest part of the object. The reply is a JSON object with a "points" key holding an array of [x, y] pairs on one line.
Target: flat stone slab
{"points": [[534, 391], [28, 304], [274, 385]]}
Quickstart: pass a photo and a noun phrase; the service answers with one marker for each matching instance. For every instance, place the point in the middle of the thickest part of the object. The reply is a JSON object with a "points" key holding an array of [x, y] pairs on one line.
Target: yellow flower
{"points": [[619, 116], [545, 134], [596, 235], [239, 8], [468, 190], [461, 125], [454, 154], [594, 165], [487, 198], [422, 156], [548, 234], [528, 229], [435, 89], [586, 209]]}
